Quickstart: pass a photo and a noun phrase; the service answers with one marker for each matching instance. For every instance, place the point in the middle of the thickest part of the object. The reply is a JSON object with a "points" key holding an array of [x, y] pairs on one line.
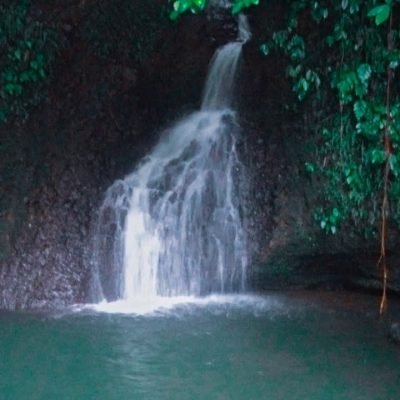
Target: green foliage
{"points": [[381, 13], [329, 220], [126, 29], [239, 5], [27, 51], [344, 74], [182, 6]]}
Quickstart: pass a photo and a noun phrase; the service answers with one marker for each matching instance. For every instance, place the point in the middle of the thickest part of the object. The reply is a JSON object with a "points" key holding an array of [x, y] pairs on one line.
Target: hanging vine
{"points": [[388, 155]]}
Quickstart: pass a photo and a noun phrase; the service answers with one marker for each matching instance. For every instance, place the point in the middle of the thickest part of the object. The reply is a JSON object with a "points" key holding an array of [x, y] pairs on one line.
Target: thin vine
{"points": [[388, 153]]}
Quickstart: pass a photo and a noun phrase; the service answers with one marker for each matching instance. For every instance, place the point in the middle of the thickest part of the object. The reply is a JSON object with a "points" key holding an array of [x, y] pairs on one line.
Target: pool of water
{"points": [[245, 347]]}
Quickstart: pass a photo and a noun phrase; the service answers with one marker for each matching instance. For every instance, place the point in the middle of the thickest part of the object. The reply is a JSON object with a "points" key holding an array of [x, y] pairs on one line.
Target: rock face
{"points": [[50, 256], [291, 250], [103, 115]]}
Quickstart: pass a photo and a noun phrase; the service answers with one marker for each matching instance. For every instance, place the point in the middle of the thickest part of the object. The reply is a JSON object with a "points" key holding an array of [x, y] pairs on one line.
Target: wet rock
{"points": [[129, 74], [394, 332]]}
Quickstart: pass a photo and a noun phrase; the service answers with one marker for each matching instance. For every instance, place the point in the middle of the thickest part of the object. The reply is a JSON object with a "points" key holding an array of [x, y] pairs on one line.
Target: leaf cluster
{"points": [[180, 7], [343, 72], [27, 49]]}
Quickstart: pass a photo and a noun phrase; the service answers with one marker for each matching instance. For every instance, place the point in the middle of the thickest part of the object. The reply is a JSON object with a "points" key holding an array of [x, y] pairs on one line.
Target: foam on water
{"points": [[168, 305]]}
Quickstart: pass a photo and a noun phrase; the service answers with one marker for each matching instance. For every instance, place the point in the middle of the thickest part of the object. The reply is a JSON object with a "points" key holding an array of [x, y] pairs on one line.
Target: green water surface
{"points": [[264, 349]]}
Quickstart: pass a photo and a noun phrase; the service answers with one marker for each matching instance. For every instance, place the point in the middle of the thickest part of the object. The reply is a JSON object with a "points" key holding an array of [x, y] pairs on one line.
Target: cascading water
{"points": [[174, 226]]}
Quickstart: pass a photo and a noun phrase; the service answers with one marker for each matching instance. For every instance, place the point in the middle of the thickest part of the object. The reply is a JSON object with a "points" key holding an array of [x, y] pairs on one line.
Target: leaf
{"points": [[294, 71], [239, 5], [34, 64], [3, 115], [199, 3], [174, 15], [303, 84], [264, 48], [13, 89], [42, 73], [377, 156], [375, 11], [236, 8], [310, 168], [177, 5], [364, 72], [381, 13], [10, 76], [18, 54], [301, 88], [394, 59], [360, 108]]}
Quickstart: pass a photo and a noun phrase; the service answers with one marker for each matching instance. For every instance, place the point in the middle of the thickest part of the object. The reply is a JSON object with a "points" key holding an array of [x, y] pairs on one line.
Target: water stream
{"points": [[174, 227]]}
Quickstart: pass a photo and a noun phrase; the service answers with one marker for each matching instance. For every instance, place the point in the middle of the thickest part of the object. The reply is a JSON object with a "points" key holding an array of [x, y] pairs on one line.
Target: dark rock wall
{"points": [[102, 116]]}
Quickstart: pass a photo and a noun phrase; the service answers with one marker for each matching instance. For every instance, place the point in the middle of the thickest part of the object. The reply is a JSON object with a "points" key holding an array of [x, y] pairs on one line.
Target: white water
{"points": [[171, 305], [173, 228], [220, 84]]}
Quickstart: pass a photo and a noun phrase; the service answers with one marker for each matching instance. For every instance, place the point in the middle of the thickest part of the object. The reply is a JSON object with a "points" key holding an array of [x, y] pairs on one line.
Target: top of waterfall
{"points": [[243, 26], [219, 87], [244, 29]]}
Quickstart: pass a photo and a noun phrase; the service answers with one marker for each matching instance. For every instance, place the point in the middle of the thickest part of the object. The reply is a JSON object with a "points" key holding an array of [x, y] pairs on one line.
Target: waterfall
{"points": [[174, 226]]}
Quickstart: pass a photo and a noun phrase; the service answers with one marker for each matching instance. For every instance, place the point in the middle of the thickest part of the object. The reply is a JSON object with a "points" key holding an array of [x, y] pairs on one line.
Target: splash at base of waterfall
{"points": [[142, 306], [167, 305]]}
